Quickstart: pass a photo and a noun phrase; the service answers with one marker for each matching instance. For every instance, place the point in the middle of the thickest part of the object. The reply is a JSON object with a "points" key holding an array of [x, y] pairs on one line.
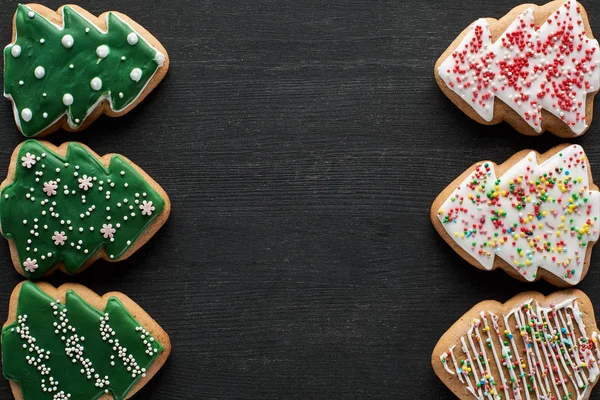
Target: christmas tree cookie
{"points": [[536, 68], [66, 68], [535, 216], [531, 347], [65, 207], [70, 343]]}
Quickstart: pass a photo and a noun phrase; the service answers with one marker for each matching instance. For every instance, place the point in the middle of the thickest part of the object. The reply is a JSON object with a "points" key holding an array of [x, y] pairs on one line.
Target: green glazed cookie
{"points": [[65, 207], [70, 343], [66, 68]]}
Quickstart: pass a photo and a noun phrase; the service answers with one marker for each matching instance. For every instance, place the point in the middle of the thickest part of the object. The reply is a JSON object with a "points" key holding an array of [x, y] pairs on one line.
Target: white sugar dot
{"points": [[31, 14], [15, 51], [26, 114], [39, 72], [87, 30], [136, 74], [42, 40], [67, 99], [121, 95], [159, 58], [102, 51], [67, 41], [45, 115], [132, 38], [96, 83]]}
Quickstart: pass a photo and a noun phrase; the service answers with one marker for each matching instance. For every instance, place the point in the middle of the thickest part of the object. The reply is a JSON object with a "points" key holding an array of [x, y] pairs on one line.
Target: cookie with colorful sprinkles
{"points": [[65, 207], [534, 216], [536, 68], [65, 68], [69, 343], [531, 347]]}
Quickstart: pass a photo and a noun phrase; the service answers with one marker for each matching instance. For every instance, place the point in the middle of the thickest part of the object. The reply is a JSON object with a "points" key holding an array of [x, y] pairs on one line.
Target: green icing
{"points": [[52, 218], [70, 340], [73, 70]]}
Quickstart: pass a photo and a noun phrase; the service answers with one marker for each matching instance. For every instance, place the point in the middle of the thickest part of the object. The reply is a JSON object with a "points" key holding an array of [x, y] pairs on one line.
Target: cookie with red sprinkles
{"points": [[535, 216], [531, 347], [537, 68]]}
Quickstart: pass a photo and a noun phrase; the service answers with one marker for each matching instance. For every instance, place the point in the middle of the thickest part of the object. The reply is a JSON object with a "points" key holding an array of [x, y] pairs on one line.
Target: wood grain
{"points": [[301, 143]]}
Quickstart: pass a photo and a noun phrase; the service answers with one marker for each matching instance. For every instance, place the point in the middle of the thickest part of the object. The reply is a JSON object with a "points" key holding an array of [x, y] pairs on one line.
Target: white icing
{"points": [[444, 360], [39, 72], [160, 58], [26, 114], [102, 51], [494, 353], [67, 41], [15, 51], [554, 355], [542, 222], [67, 99], [487, 70], [37, 358], [136, 74], [96, 83], [132, 38]]}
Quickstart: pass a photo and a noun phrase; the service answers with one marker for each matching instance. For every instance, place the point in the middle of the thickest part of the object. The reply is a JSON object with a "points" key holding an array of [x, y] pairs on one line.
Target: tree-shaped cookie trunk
{"points": [[65, 207], [64, 64], [59, 346]]}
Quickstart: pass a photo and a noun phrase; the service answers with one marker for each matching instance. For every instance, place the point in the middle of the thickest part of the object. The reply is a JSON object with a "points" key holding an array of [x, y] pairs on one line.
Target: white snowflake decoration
{"points": [[30, 265], [108, 231], [50, 188], [28, 160], [85, 183], [59, 238], [147, 207]]}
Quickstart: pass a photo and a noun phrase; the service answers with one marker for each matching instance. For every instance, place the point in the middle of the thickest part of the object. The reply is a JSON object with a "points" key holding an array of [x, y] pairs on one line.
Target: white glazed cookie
{"points": [[536, 68], [535, 216]]}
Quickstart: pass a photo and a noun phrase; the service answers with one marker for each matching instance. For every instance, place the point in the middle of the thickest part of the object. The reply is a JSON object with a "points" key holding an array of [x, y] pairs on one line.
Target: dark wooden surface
{"points": [[302, 143]]}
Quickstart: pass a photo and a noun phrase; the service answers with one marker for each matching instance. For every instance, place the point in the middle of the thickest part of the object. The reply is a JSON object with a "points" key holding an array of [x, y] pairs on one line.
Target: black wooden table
{"points": [[302, 144]]}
